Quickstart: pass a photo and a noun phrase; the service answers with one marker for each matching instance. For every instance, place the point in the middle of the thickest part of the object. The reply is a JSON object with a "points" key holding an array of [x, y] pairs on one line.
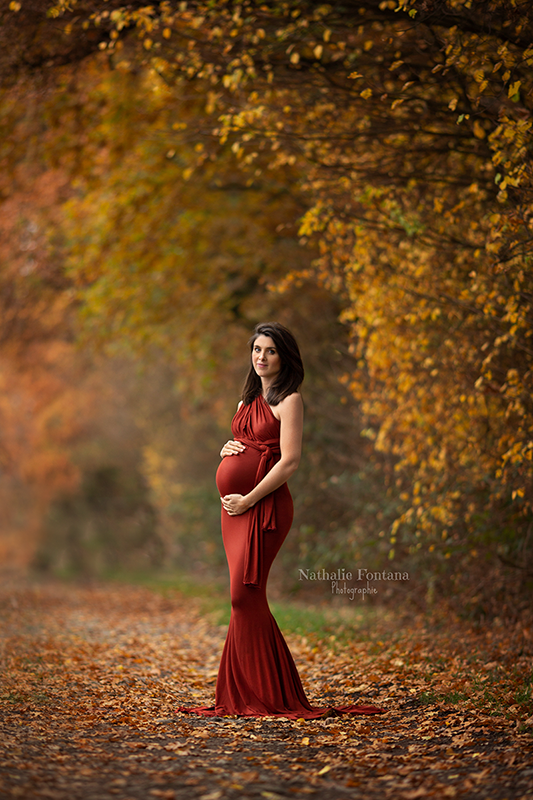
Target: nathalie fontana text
{"points": [[343, 575]]}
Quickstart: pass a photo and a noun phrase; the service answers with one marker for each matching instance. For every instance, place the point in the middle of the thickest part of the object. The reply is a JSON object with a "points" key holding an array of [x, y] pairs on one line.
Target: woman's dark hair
{"points": [[291, 373]]}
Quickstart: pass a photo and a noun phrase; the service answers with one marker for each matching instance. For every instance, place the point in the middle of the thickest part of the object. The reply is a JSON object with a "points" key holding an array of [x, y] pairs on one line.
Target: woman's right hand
{"points": [[232, 448]]}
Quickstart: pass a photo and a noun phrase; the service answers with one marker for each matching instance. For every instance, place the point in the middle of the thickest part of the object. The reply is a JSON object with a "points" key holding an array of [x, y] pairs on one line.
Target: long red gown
{"points": [[257, 675]]}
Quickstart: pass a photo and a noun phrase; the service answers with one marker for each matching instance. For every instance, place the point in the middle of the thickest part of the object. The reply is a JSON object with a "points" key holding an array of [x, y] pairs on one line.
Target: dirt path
{"points": [[91, 678]]}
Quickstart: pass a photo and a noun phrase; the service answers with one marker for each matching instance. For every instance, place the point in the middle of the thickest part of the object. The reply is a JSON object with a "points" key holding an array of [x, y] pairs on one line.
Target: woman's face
{"points": [[265, 357]]}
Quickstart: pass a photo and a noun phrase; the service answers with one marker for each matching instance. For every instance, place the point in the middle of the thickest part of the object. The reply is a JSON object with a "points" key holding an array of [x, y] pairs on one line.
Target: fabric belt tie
{"points": [[262, 516]]}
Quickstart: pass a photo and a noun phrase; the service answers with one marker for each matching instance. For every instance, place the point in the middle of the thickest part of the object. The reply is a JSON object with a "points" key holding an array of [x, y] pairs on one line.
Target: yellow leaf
{"points": [[513, 88], [324, 770]]}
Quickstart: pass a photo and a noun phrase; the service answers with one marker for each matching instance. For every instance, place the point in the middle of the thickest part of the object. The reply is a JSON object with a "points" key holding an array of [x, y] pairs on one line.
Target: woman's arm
{"points": [[290, 412]]}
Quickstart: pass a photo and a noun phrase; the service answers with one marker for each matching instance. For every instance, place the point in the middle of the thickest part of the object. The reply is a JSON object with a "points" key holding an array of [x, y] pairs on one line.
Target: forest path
{"points": [[91, 677]]}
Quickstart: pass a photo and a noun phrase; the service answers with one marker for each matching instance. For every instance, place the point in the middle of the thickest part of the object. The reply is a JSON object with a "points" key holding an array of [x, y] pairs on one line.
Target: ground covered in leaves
{"points": [[91, 678]]}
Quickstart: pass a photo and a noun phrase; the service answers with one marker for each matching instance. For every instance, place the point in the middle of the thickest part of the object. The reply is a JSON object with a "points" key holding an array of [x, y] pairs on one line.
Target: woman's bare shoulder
{"points": [[295, 397], [292, 403]]}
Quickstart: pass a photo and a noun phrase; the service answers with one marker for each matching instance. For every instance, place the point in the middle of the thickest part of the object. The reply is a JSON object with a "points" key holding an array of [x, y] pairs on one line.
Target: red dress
{"points": [[257, 675]]}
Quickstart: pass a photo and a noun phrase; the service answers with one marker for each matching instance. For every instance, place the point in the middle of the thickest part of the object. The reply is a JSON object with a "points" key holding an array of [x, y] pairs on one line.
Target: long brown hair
{"points": [[291, 373]]}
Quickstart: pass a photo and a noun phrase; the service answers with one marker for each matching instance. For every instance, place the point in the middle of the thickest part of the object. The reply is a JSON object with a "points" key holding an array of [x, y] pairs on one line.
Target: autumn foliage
{"points": [[230, 161]]}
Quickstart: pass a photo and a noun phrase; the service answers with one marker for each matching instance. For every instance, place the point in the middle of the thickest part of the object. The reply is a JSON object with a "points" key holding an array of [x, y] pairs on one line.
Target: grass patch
{"points": [[340, 625], [14, 697], [432, 697], [524, 696], [303, 620], [504, 694]]}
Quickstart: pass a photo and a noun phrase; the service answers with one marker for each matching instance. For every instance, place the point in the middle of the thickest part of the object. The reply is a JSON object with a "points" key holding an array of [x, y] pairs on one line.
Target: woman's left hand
{"points": [[235, 504]]}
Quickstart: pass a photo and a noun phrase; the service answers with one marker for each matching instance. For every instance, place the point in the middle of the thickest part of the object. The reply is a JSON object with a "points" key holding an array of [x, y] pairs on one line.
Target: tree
{"points": [[411, 123]]}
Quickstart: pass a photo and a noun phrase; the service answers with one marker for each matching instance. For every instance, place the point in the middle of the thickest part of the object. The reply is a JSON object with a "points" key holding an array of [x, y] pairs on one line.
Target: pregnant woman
{"points": [[257, 675]]}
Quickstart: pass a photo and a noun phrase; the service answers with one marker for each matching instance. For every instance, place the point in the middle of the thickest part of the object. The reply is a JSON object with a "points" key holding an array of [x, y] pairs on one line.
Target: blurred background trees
{"points": [[173, 173]]}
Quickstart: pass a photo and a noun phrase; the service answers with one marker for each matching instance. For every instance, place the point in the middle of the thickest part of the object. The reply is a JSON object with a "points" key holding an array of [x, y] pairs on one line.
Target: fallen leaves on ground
{"points": [[92, 677]]}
